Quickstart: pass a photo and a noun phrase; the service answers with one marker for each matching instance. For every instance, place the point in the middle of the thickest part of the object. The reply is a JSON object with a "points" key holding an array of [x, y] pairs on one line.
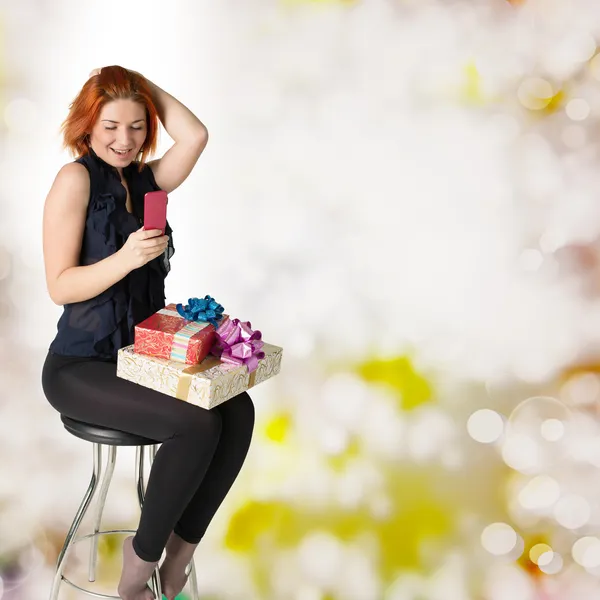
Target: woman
{"points": [[109, 273]]}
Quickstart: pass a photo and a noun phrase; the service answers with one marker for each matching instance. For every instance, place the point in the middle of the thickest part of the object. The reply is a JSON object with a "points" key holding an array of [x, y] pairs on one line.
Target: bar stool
{"points": [[112, 438]]}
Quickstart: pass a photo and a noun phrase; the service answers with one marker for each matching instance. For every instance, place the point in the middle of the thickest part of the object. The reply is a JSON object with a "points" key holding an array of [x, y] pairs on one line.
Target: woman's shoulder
{"points": [[73, 173], [70, 190]]}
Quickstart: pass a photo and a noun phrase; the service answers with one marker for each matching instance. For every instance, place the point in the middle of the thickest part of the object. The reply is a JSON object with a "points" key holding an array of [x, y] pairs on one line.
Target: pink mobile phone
{"points": [[155, 210]]}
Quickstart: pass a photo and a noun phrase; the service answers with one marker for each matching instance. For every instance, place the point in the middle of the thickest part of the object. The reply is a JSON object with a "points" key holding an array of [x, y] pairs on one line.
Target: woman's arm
{"points": [[63, 227], [187, 131]]}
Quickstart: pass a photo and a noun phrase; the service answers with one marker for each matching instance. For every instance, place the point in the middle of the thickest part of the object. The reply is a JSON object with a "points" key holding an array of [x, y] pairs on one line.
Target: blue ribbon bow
{"points": [[202, 309]]}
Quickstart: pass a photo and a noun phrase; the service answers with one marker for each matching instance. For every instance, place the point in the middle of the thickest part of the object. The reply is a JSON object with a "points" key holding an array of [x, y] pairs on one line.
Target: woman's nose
{"points": [[124, 139]]}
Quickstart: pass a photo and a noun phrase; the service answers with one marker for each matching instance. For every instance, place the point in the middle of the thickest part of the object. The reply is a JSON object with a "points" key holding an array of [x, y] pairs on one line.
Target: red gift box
{"points": [[166, 334]]}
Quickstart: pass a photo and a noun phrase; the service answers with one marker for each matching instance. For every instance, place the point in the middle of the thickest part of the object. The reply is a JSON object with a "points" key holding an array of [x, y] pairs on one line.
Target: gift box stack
{"points": [[198, 354]]}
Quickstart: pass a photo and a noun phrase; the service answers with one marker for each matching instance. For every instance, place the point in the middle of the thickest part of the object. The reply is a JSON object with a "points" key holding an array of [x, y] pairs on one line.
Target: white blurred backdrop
{"points": [[404, 196]]}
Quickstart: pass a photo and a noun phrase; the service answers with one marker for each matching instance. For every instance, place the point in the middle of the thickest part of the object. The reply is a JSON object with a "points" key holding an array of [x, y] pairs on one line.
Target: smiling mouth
{"points": [[121, 152]]}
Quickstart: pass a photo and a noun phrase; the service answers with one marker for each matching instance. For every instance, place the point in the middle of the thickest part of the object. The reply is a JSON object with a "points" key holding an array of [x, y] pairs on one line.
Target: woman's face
{"points": [[121, 126]]}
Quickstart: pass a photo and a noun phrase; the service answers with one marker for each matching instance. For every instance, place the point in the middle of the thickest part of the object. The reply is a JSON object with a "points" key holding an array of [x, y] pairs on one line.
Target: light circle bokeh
{"points": [[535, 93], [499, 539], [540, 554], [586, 552], [553, 566], [552, 430], [540, 492], [485, 426], [572, 511], [521, 453], [534, 434]]}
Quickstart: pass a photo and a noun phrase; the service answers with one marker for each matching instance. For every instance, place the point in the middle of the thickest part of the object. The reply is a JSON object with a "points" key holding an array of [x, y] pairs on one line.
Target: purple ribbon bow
{"points": [[236, 343]]}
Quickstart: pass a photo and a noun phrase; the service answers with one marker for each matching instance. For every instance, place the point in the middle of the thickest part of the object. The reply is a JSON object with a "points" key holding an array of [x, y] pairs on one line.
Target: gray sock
{"points": [[135, 575], [172, 571]]}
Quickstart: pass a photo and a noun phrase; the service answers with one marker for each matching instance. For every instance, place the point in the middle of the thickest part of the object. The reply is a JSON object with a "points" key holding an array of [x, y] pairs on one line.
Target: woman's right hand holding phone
{"points": [[142, 246]]}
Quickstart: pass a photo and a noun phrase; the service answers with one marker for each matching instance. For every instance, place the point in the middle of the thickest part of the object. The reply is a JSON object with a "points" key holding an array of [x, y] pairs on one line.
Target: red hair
{"points": [[112, 83]]}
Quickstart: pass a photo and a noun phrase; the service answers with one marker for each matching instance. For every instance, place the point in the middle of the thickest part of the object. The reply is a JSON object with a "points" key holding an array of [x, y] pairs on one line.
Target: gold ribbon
{"points": [[185, 379], [252, 379]]}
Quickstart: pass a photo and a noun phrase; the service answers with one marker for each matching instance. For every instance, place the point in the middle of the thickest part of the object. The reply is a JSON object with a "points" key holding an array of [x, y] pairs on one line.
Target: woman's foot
{"points": [[135, 575], [179, 554]]}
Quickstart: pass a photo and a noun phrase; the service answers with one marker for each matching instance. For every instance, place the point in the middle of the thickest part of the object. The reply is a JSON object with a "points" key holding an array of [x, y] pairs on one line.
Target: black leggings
{"points": [[201, 452]]}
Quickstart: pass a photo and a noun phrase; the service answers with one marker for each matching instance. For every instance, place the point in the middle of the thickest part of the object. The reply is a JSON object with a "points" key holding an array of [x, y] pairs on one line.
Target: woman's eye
{"points": [[137, 128], [110, 128]]}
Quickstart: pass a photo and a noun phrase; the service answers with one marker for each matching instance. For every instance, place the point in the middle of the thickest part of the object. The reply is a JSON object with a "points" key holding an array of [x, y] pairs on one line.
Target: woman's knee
{"points": [[200, 424], [247, 407], [240, 409]]}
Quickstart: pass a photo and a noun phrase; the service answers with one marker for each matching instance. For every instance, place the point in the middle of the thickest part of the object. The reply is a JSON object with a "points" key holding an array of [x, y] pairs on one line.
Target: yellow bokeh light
{"points": [[399, 374], [537, 551], [278, 427]]}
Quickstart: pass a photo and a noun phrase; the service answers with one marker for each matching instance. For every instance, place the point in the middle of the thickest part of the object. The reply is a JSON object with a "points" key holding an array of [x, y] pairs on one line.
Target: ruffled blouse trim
{"points": [[140, 294]]}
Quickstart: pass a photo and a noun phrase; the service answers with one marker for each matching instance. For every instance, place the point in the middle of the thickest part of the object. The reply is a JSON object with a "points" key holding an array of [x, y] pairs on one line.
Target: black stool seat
{"points": [[104, 435]]}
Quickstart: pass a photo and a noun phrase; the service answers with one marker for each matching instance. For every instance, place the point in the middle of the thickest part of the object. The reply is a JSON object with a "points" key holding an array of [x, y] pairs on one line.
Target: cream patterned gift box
{"points": [[207, 384]]}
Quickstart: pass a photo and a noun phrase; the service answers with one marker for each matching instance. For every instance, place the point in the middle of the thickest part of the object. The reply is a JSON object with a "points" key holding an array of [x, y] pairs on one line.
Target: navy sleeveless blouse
{"points": [[100, 326]]}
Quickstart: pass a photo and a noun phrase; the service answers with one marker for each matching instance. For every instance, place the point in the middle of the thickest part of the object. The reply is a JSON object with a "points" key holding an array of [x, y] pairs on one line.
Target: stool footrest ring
{"points": [[88, 592], [85, 537], [90, 535]]}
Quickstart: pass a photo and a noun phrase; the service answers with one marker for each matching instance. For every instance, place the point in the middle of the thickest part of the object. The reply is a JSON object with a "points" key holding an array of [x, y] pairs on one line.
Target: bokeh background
{"points": [[404, 195]]}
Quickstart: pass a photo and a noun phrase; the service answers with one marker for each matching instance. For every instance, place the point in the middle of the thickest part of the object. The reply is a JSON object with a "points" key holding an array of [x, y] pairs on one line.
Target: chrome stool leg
{"points": [[141, 490], [110, 468], [97, 450], [139, 474], [193, 580], [153, 452]]}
